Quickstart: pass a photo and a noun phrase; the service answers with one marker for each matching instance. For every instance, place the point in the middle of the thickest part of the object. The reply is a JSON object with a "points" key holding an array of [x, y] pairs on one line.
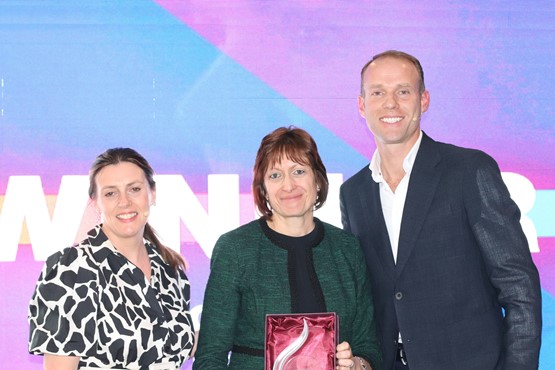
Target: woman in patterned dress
{"points": [[119, 299]]}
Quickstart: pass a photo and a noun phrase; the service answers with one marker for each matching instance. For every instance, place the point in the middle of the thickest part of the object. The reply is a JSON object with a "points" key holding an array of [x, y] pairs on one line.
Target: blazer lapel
{"points": [[422, 187], [369, 195]]}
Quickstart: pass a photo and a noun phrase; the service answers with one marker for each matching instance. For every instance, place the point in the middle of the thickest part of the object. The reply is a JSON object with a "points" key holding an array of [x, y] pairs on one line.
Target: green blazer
{"points": [[249, 279]]}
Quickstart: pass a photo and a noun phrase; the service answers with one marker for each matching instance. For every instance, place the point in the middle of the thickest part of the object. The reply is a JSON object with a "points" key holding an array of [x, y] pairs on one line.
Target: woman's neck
{"points": [[134, 250], [291, 226]]}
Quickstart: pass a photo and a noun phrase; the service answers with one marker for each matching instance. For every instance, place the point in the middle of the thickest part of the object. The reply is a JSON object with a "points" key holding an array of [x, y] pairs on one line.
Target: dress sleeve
{"points": [[220, 308], [62, 311]]}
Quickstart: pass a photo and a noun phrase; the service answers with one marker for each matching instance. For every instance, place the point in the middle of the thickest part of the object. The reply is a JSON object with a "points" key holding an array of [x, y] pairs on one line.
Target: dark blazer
{"points": [[463, 260]]}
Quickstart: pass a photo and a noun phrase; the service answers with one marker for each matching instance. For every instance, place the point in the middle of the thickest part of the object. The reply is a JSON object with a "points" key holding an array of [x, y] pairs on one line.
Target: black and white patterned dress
{"points": [[90, 301]]}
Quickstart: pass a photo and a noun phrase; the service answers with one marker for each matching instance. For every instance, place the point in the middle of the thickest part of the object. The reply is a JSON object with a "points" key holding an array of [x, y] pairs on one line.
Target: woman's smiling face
{"points": [[291, 189], [124, 198]]}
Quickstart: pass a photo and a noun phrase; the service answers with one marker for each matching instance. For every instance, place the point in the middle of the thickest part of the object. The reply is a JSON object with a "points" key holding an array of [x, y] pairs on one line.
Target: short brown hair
{"points": [[297, 145], [399, 55]]}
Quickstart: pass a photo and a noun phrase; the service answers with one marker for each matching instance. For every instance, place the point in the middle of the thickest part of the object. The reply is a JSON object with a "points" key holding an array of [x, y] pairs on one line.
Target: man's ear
{"points": [[361, 109], [424, 101]]}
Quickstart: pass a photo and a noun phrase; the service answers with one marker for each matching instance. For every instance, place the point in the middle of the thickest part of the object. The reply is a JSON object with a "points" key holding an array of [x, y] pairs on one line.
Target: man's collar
{"points": [[408, 162]]}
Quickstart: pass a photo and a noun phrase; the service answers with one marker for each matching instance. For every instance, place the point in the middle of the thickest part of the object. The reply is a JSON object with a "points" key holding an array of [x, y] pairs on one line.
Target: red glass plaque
{"points": [[301, 341]]}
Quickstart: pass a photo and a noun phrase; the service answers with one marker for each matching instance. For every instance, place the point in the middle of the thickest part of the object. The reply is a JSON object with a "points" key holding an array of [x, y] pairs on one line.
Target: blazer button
{"points": [[398, 296]]}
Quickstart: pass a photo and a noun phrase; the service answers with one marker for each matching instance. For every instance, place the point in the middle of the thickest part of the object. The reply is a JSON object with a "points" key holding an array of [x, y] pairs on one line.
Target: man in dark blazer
{"points": [[453, 280]]}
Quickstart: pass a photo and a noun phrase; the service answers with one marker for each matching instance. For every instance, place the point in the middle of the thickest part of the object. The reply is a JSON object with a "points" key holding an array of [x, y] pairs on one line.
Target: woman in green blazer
{"points": [[287, 261]]}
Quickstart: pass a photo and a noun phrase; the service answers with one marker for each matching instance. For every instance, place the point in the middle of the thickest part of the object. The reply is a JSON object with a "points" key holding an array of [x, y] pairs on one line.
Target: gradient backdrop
{"points": [[195, 85]]}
